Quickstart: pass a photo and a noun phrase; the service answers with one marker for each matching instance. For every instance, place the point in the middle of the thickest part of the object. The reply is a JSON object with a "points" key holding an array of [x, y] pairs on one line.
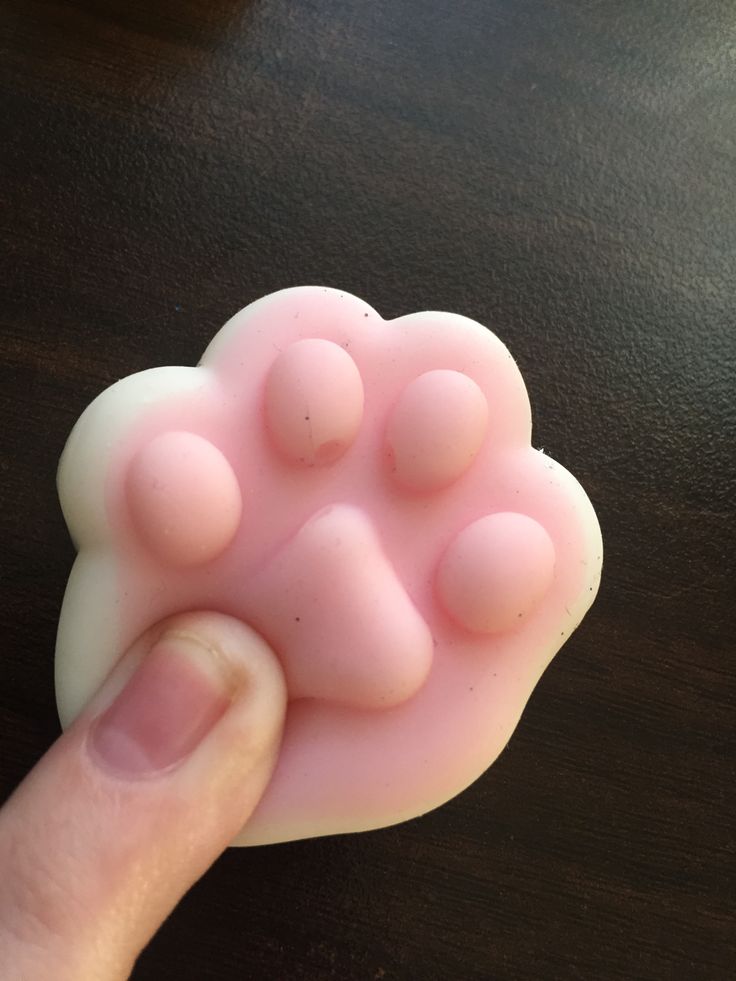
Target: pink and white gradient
{"points": [[364, 494]]}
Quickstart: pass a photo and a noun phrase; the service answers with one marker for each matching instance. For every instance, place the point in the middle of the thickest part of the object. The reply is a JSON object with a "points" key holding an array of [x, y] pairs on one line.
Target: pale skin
{"points": [[137, 799]]}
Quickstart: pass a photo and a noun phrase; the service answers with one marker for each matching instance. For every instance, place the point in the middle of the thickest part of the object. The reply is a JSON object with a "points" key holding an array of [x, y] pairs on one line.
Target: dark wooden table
{"points": [[562, 170]]}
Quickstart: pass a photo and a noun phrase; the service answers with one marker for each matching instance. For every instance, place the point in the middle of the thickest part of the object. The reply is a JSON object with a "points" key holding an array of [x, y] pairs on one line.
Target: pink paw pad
{"points": [[314, 402], [496, 571], [184, 498], [436, 429], [332, 604], [364, 494]]}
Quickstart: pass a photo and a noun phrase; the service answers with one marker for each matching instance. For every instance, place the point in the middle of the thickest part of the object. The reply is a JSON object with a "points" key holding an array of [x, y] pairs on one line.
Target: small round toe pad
{"points": [[436, 429], [314, 402], [495, 572], [184, 498]]}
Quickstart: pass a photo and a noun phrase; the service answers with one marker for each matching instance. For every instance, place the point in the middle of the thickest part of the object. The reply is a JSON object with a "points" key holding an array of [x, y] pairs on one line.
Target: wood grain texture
{"points": [[562, 170]]}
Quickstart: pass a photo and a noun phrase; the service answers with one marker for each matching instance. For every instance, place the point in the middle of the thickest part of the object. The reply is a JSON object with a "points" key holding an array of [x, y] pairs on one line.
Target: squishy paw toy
{"points": [[364, 494]]}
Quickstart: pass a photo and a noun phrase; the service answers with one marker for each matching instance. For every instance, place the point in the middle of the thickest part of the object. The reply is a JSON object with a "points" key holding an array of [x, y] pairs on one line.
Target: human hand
{"points": [[137, 799]]}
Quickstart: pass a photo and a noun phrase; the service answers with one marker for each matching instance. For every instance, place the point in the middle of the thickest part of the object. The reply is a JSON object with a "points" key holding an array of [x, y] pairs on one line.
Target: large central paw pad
{"points": [[365, 495]]}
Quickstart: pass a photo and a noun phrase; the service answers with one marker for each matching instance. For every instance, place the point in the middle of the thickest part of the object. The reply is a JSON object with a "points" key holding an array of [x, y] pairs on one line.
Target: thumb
{"points": [[139, 796]]}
